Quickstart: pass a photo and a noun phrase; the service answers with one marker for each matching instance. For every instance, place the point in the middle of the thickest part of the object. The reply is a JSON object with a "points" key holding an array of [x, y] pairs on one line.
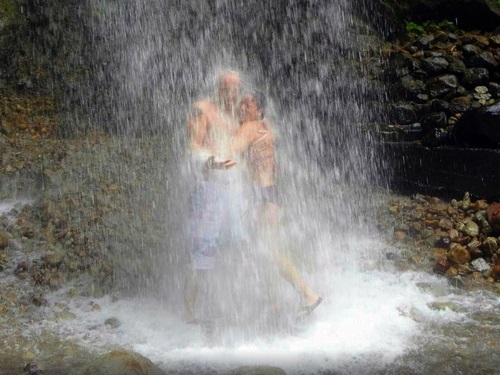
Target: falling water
{"points": [[155, 59], [151, 61]]}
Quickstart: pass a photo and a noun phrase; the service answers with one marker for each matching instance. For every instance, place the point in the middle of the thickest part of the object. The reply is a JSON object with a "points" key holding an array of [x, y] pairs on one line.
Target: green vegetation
{"points": [[421, 29], [8, 8]]}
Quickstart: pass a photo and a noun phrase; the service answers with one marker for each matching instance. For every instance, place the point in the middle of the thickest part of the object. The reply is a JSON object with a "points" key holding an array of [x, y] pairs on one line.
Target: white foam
{"points": [[363, 316]]}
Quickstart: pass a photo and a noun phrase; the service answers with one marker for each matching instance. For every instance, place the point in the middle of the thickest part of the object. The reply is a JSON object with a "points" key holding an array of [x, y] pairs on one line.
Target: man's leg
{"points": [[205, 229]]}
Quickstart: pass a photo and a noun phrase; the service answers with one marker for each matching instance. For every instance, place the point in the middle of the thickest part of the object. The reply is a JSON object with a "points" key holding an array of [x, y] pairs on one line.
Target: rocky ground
{"points": [[450, 238]]}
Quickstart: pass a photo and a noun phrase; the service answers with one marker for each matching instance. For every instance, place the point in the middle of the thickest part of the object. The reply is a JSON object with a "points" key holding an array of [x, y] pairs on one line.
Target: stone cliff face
{"points": [[483, 14]]}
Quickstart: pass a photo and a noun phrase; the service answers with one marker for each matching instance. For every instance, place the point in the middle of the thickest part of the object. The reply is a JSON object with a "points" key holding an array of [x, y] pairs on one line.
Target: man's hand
{"points": [[216, 163]]}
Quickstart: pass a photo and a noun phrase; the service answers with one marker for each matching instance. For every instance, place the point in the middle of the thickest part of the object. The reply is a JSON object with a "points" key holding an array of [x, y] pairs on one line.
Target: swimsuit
{"points": [[269, 194], [216, 214]]}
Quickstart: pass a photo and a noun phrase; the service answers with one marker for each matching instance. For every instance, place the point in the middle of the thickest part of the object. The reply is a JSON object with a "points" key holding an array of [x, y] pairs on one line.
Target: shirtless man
{"points": [[216, 206], [261, 161]]}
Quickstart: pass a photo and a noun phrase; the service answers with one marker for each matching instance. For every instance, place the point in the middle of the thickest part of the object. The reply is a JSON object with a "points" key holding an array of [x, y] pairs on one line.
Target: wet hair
{"points": [[260, 100]]}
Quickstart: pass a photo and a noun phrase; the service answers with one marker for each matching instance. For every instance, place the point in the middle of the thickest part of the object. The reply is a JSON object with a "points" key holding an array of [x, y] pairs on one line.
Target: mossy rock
{"points": [[120, 362]]}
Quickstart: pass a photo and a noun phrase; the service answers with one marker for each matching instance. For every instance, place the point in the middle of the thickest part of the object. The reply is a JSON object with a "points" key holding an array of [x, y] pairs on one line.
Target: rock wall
{"points": [[441, 79]]}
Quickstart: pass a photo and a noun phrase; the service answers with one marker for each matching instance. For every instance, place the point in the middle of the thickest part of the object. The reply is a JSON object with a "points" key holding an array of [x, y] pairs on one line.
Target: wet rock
{"points": [[460, 104], [413, 88], [483, 60], [458, 255], [112, 323], [120, 362], [441, 85], [493, 216], [457, 66], [441, 266], [439, 253], [257, 370], [475, 77], [435, 65], [32, 369], [440, 306], [434, 120], [495, 273], [494, 89], [404, 113], [424, 42], [471, 50], [480, 265]]}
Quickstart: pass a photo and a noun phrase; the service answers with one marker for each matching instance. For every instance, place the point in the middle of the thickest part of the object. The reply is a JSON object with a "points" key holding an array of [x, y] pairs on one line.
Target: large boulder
{"points": [[120, 362]]}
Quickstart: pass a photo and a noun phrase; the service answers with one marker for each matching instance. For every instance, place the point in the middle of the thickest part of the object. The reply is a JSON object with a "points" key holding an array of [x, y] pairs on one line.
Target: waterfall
{"points": [[155, 59]]}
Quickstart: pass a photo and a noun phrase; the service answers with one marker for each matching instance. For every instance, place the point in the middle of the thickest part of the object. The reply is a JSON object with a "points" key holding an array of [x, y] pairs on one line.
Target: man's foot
{"points": [[308, 309]]}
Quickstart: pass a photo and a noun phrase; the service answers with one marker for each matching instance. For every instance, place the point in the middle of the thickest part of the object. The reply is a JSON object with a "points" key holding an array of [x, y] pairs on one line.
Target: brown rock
{"points": [[442, 266], [462, 240], [453, 234], [480, 205], [399, 235], [439, 253], [458, 255], [495, 273], [493, 216]]}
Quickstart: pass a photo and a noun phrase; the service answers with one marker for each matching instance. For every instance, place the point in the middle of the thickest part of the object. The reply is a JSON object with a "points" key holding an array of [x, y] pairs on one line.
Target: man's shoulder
{"points": [[204, 104]]}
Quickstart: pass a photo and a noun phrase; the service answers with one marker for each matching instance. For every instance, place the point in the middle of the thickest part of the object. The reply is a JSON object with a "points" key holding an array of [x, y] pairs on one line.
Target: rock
{"points": [[481, 89], [257, 370], [480, 265], [120, 362], [476, 40], [441, 266], [457, 66], [460, 104], [493, 216], [458, 255], [471, 228], [434, 120], [475, 77], [404, 113], [440, 306], [413, 88], [471, 50], [4, 240], [495, 273], [439, 253], [435, 65], [112, 323], [424, 42], [441, 85], [483, 60], [399, 235], [32, 369], [490, 245]]}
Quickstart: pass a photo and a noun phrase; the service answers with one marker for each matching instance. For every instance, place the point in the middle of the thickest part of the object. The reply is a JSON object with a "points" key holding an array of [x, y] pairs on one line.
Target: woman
{"points": [[260, 157]]}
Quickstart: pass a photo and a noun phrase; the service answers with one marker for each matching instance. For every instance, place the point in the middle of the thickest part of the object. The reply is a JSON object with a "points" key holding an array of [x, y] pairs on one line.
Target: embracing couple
{"points": [[225, 132]]}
